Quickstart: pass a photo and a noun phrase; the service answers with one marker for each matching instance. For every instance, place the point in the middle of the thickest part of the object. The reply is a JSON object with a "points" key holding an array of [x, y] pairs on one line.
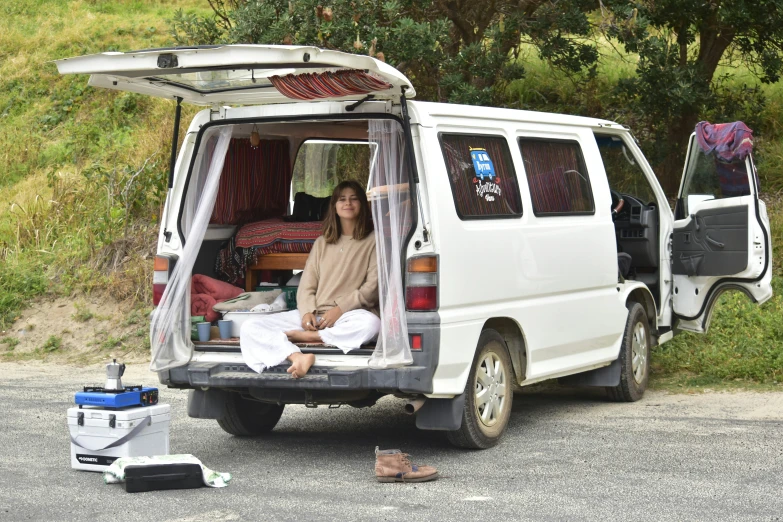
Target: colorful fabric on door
{"points": [[312, 86], [726, 141], [254, 183]]}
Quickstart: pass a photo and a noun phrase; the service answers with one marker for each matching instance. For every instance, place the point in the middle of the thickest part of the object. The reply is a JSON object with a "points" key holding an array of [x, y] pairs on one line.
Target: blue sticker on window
{"points": [[482, 164]]}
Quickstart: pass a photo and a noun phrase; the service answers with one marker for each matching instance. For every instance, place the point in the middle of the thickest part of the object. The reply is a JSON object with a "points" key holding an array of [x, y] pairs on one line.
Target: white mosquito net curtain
{"points": [[170, 348], [388, 189]]}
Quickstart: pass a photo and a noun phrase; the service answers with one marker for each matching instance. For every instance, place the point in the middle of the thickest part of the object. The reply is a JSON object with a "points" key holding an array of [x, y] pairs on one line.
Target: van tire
{"points": [[247, 418], [636, 343], [476, 433]]}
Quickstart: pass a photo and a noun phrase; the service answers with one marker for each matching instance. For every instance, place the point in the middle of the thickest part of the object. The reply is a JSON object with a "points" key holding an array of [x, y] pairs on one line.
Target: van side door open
{"points": [[721, 239]]}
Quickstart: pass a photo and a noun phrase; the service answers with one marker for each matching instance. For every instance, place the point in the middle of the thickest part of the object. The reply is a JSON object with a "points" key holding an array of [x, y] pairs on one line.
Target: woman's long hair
{"points": [[332, 229]]}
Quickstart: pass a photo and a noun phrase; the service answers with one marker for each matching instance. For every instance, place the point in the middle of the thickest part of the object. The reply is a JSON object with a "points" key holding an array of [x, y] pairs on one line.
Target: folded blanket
{"points": [[206, 292], [201, 304], [201, 284]]}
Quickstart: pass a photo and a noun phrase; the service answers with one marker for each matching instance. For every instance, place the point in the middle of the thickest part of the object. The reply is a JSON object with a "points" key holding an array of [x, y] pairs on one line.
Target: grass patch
{"points": [[82, 314], [139, 315], [52, 344], [113, 342], [11, 343], [685, 382], [744, 345], [136, 340]]}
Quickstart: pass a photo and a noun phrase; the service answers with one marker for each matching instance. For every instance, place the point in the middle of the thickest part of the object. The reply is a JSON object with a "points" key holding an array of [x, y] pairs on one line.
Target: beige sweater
{"points": [[343, 274]]}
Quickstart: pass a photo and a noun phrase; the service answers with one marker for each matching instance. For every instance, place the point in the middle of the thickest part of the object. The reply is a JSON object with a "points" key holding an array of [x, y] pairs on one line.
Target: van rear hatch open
{"points": [[220, 76], [239, 74]]}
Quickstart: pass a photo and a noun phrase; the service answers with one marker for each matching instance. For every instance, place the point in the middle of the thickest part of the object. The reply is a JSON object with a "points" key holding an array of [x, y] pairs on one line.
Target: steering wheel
{"points": [[617, 203]]}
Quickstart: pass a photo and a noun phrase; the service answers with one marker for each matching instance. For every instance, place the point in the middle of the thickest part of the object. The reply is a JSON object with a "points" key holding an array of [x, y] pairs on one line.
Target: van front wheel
{"points": [[634, 357], [488, 395], [246, 418]]}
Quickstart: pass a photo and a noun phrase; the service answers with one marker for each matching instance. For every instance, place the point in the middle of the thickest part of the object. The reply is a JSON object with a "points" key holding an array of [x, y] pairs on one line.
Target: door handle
{"points": [[716, 243]]}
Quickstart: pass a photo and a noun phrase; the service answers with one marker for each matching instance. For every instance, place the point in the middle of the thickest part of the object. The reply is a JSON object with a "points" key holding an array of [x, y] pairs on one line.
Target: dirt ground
{"points": [[79, 330]]}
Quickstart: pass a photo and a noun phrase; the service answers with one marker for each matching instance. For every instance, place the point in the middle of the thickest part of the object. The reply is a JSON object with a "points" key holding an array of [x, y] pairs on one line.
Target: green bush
{"points": [[52, 344]]}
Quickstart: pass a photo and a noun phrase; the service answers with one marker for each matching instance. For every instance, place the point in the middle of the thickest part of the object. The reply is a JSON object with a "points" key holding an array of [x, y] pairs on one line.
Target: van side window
{"points": [[482, 177], [557, 176]]}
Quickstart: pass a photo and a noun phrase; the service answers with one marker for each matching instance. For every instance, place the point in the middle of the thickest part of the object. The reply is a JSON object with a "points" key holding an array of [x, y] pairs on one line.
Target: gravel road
{"points": [[568, 455]]}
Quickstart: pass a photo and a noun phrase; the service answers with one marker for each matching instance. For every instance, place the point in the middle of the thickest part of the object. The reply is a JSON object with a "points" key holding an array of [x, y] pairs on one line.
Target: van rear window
{"points": [[482, 177], [557, 177]]}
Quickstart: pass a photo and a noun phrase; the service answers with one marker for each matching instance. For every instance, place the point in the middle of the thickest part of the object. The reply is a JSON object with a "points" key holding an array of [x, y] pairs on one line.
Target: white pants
{"points": [[264, 342]]}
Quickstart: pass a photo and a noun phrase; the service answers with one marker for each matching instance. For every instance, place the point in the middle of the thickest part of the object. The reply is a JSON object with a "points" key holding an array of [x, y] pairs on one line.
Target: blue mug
{"points": [[203, 331], [225, 328]]}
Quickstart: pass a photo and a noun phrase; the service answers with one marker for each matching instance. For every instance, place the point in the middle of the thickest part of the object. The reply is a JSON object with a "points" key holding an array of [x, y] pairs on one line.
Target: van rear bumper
{"points": [[330, 382], [409, 379]]}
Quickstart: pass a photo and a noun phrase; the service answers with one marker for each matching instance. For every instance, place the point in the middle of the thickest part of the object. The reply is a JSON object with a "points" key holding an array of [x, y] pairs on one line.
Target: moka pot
{"points": [[113, 373]]}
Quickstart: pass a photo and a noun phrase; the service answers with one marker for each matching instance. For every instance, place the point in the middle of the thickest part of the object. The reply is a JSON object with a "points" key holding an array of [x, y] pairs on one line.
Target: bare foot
{"points": [[302, 336], [300, 364]]}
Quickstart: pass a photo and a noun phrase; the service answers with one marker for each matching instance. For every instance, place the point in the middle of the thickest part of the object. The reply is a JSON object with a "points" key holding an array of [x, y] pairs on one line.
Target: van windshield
{"points": [[623, 171]]}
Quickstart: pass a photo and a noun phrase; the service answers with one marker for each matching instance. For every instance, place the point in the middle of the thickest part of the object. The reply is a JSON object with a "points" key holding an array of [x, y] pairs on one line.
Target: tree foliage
{"points": [[460, 51], [680, 44], [465, 51]]}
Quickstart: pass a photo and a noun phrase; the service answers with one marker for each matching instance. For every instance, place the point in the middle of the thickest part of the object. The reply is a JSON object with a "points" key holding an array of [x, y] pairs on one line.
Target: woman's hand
{"points": [[330, 317], [308, 322]]}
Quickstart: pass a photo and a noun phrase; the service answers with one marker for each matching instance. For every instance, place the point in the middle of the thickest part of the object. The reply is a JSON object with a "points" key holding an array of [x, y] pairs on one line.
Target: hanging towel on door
{"points": [[728, 142]]}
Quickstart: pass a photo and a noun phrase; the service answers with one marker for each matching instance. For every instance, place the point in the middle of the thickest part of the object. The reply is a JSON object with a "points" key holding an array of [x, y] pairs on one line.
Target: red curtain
{"points": [[255, 183], [311, 86]]}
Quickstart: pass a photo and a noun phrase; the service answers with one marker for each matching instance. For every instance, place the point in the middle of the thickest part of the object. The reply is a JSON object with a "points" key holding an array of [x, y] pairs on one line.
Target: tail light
{"points": [[421, 293], [162, 269], [416, 342]]}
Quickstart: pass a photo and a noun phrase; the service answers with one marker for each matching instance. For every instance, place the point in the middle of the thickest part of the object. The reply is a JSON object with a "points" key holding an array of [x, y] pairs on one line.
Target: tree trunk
{"points": [[713, 42], [677, 144]]}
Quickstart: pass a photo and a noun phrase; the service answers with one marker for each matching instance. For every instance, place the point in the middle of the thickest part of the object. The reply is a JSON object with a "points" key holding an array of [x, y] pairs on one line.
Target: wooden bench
{"points": [[282, 261]]}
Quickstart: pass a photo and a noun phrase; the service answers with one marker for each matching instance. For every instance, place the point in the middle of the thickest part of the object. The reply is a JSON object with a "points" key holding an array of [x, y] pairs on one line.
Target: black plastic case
{"points": [[162, 476]]}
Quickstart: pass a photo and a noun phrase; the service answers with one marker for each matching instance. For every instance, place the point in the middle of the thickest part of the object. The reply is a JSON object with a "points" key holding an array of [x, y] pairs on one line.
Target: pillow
{"points": [[308, 208]]}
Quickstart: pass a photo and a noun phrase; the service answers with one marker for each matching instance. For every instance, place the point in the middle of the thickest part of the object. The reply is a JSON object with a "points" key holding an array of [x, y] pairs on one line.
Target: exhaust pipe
{"points": [[413, 406]]}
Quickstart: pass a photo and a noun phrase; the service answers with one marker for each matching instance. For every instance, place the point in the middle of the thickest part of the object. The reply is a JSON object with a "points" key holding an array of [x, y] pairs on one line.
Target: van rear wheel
{"points": [[247, 418], [488, 395], [634, 357]]}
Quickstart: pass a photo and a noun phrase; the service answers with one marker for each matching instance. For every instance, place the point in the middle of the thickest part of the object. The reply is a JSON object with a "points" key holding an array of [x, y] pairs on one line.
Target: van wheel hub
{"points": [[639, 352], [490, 389]]}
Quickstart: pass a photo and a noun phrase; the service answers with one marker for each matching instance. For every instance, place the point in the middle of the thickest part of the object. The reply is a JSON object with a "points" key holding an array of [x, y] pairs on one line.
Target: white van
{"points": [[536, 246]]}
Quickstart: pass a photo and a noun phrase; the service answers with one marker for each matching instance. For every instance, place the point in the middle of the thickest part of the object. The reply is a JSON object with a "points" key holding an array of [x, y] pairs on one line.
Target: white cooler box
{"points": [[99, 437]]}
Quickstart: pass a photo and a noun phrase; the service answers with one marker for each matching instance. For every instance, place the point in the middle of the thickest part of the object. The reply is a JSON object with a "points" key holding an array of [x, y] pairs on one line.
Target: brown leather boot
{"points": [[394, 466]]}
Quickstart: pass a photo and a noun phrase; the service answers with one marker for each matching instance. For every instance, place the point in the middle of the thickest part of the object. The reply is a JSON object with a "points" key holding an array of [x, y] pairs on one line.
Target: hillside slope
{"points": [[71, 218]]}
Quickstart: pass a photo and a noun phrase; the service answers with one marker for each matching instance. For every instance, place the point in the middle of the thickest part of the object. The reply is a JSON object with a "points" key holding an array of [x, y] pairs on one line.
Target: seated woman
{"points": [[337, 299]]}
